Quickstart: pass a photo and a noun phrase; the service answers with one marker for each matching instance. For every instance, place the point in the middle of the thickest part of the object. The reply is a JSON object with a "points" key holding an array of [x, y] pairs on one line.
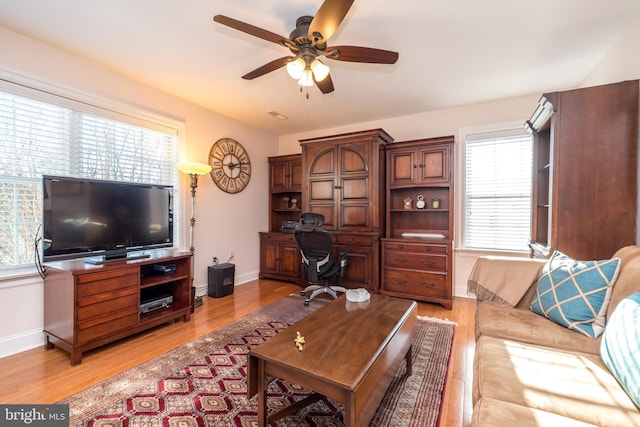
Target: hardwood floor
{"points": [[38, 376]]}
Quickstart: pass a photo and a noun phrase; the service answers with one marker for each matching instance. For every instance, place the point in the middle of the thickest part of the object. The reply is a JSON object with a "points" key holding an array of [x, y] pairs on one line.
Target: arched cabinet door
{"points": [[344, 180]]}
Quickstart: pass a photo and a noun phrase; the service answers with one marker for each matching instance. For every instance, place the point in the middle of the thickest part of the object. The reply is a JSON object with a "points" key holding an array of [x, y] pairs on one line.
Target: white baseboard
{"points": [[18, 343]]}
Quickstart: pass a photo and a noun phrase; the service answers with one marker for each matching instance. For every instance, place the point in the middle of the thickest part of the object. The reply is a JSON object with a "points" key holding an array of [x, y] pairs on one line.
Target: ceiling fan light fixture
{"points": [[295, 68], [320, 70], [306, 79]]}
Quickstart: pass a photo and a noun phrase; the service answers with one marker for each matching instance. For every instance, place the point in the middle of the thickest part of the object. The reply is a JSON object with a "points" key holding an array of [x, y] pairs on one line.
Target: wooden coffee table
{"points": [[351, 354]]}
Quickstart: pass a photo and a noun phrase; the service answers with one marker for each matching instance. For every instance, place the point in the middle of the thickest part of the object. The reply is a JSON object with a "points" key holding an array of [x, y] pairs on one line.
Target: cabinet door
{"points": [[295, 175], [269, 254], [290, 262], [279, 176], [402, 168], [355, 187], [321, 184], [434, 165], [358, 273]]}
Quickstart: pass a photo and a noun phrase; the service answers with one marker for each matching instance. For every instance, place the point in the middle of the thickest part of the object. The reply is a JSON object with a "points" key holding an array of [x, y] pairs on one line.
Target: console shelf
{"points": [[88, 305]]}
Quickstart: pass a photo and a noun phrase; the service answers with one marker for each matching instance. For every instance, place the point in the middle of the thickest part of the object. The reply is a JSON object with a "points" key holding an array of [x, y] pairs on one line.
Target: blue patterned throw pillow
{"points": [[621, 345], [575, 294]]}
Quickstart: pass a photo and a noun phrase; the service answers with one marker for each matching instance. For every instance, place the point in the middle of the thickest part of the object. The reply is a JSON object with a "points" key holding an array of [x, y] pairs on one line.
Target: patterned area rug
{"points": [[202, 383]]}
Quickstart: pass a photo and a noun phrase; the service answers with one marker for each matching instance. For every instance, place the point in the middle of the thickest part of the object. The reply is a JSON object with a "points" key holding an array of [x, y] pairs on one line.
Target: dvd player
{"points": [[156, 303]]}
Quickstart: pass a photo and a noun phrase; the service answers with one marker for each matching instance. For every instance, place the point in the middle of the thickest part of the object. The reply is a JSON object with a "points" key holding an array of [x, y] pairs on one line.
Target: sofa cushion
{"points": [[496, 413], [576, 294], [620, 347], [570, 384], [521, 324], [628, 280]]}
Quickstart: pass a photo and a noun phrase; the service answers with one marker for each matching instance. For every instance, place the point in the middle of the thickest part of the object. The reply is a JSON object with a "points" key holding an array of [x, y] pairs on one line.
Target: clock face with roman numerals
{"points": [[230, 165]]}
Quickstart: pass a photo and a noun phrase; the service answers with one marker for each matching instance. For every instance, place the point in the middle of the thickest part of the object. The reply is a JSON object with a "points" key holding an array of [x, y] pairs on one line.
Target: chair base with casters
{"points": [[321, 289], [316, 249]]}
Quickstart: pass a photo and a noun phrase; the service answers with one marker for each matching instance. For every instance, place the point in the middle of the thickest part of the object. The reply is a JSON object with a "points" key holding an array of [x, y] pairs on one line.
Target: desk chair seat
{"points": [[318, 261]]}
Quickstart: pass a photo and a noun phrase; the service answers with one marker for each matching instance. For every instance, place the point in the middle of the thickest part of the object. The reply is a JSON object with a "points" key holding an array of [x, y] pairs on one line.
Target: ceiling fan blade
{"points": [[325, 85], [327, 20], [361, 54], [268, 67], [254, 31]]}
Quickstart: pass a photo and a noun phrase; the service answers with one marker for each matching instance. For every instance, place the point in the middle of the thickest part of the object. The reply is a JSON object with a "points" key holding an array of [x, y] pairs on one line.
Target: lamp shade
{"points": [[306, 79], [295, 68], [194, 168], [320, 70]]}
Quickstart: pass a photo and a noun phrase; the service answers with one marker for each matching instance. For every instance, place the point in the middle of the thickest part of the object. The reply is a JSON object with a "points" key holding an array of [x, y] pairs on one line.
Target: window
{"points": [[46, 138], [497, 193]]}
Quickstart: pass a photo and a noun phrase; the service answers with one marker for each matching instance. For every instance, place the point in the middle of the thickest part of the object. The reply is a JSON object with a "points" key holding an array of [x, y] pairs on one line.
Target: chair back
{"points": [[316, 246]]}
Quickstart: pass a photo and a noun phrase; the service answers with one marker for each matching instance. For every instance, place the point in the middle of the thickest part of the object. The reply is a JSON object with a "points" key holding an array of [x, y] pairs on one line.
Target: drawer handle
{"points": [[428, 249], [425, 262], [400, 281], [400, 260], [428, 285], [354, 242]]}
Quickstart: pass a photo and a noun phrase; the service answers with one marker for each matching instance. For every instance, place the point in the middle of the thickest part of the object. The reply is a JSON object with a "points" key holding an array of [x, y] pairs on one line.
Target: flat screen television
{"points": [[108, 219]]}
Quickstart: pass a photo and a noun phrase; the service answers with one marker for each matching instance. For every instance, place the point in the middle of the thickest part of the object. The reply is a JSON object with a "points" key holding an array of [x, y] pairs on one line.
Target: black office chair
{"points": [[318, 260]]}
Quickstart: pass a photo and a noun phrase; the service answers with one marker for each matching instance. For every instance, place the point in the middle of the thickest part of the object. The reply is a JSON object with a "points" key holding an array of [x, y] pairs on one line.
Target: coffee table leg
{"points": [[262, 395], [409, 358]]}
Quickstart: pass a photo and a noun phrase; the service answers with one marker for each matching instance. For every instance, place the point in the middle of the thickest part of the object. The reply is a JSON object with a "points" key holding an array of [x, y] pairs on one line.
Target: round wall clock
{"points": [[230, 165]]}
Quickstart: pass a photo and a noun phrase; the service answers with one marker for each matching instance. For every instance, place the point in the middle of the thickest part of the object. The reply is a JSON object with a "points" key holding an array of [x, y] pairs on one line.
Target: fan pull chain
{"points": [[301, 87]]}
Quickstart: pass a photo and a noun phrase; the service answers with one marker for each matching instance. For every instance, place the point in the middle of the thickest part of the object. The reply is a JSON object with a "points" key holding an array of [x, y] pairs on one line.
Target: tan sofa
{"points": [[530, 371]]}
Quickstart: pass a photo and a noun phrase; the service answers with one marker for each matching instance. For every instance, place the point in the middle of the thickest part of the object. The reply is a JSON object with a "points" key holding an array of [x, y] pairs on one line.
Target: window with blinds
{"points": [[498, 190], [42, 138]]}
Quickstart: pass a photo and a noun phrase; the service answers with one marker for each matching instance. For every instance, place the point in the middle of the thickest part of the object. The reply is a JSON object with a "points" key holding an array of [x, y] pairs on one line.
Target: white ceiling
{"points": [[452, 52]]}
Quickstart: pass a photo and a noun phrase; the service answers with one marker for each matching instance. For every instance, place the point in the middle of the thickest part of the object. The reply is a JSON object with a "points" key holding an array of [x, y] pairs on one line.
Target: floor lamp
{"points": [[194, 170]]}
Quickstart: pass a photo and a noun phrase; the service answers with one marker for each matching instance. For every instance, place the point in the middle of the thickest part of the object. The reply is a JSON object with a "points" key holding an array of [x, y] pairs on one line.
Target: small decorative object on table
{"points": [[299, 340], [420, 204], [435, 203], [294, 203], [408, 203], [285, 202]]}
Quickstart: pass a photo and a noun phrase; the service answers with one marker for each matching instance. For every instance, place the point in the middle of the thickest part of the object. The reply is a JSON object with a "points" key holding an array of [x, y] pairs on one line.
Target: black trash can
{"points": [[221, 278]]}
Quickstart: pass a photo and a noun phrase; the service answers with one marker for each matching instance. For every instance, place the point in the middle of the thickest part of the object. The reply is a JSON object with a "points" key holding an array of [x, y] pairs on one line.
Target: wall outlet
{"points": [[214, 260]]}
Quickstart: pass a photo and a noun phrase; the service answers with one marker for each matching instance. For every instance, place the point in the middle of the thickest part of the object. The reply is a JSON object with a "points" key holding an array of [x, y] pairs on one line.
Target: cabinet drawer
{"points": [[415, 282], [105, 281], [416, 247], [106, 303], [416, 261], [100, 326], [354, 240], [279, 237]]}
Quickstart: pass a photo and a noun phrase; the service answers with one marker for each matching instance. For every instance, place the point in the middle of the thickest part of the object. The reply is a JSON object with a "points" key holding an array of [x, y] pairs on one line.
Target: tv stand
{"points": [[89, 305]]}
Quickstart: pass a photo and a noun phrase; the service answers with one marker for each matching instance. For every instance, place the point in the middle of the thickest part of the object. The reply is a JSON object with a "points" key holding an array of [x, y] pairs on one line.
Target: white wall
{"points": [[224, 222]]}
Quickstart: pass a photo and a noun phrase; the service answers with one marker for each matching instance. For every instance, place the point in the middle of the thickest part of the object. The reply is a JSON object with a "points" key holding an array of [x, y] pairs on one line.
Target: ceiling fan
{"points": [[307, 42]]}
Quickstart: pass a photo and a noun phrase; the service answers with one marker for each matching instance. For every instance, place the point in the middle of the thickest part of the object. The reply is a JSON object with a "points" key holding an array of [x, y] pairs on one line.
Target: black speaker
{"points": [[221, 278]]}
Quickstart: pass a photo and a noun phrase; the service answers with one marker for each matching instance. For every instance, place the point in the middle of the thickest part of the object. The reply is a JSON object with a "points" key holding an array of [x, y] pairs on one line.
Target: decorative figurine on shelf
{"points": [[299, 340], [294, 204], [420, 204], [435, 203], [285, 202], [408, 203]]}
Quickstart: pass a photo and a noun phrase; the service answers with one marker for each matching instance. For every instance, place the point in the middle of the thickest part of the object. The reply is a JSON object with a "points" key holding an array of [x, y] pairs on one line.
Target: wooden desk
{"points": [[351, 354]]}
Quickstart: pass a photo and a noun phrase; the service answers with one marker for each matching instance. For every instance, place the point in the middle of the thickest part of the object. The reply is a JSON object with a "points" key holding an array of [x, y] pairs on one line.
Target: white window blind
{"points": [[498, 190], [41, 138]]}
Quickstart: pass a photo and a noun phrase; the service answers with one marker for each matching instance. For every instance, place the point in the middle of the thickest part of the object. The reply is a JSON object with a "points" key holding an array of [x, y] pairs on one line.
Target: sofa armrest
{"points": [[503, 280]]}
